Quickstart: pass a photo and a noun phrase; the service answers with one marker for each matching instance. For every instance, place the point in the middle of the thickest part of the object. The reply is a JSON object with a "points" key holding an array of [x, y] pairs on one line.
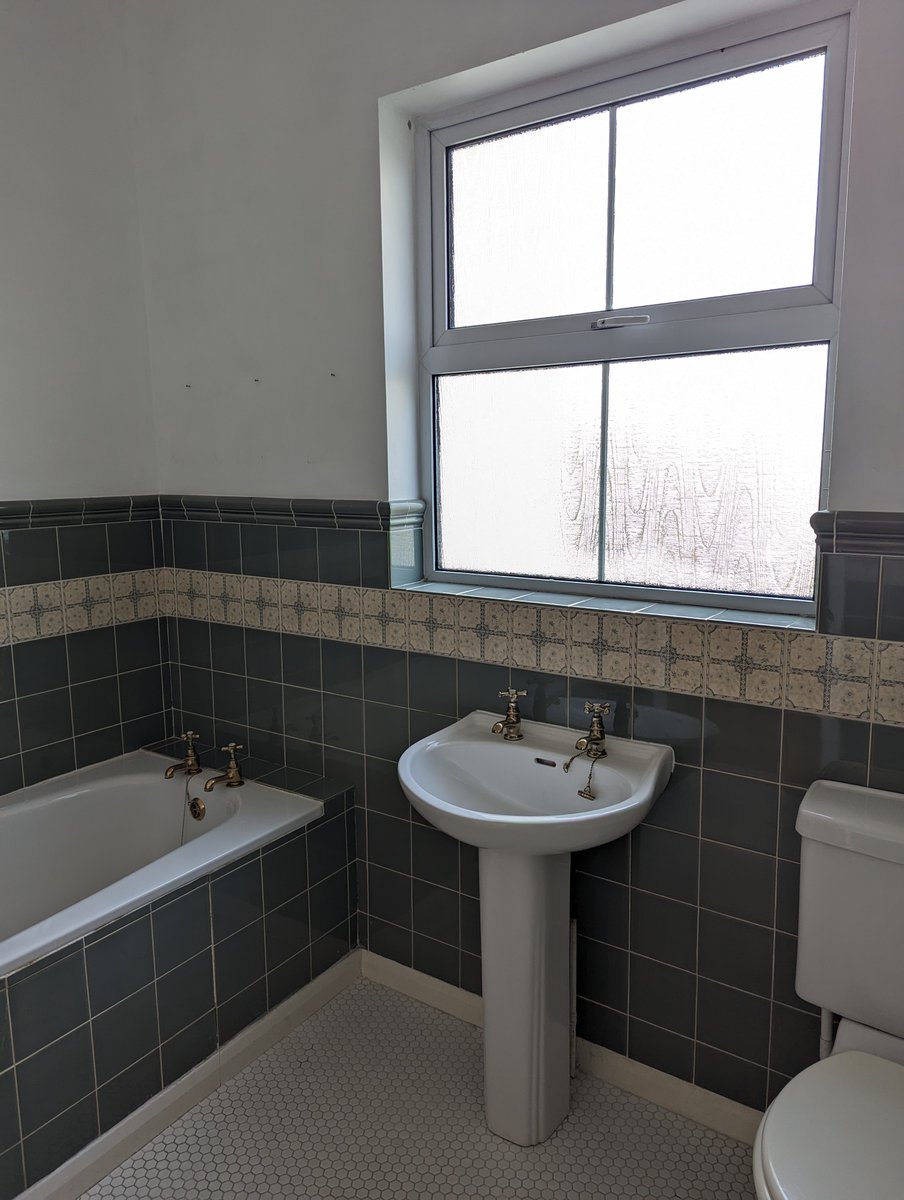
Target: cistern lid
{"points": [[855, 818], [836, 1132]]}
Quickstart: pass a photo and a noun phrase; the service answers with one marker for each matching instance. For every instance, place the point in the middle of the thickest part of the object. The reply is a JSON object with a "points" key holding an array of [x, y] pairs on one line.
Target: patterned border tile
{"points": [[830, 674], [432, 623], [384, 620], [889, 702], [745, 664], [848, 677], [260, 603], [340, 612], [670, 655], [35, 611], [484, 630], [540, 638], [299, 608], [88, 603]]}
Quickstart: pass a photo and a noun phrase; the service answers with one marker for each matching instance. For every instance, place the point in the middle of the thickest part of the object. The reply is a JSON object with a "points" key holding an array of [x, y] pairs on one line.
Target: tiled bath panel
{"points": [[379, 1096], [92, 1031]]}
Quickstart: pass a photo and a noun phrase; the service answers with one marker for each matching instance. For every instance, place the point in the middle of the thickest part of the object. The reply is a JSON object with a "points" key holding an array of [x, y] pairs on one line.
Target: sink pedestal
{"points": [[524, 925]]}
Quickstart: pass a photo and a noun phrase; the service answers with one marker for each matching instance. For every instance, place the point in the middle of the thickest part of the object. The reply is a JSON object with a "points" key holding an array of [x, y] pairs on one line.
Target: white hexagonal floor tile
{"points": [[379, 1096]]}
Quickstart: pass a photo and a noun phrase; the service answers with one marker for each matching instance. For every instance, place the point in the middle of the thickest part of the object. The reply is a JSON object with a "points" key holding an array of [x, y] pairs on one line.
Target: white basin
{"points": [[516, 796], [516, 803]]}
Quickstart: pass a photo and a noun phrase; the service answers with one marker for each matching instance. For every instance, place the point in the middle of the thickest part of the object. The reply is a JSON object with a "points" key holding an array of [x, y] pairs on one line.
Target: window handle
{"points": [[619, 322]]}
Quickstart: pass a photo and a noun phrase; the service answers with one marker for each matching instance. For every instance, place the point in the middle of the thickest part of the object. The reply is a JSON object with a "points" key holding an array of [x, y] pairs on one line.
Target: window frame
{"points": [[782, 317]]}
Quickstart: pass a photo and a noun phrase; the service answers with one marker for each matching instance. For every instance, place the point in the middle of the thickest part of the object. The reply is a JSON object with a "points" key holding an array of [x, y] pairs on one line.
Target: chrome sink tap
{"points": [[592, 745], [232, 776], [189, 764], [510, 727]]}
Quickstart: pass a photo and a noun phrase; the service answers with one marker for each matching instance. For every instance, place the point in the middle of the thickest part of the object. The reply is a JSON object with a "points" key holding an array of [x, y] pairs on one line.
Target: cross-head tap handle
{"points": [[511, 694], [593, 709], [189, 736], [231, 749]]}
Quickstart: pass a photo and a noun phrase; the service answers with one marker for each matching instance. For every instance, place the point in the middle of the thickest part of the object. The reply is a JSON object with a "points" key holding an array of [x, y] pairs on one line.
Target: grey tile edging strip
{"points": [[380, 515]]}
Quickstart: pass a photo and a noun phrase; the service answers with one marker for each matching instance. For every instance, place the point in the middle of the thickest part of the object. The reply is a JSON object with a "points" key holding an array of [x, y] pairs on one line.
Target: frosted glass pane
{"points": [[715, 186], [713, 469], [518, 470], [528, 222]]}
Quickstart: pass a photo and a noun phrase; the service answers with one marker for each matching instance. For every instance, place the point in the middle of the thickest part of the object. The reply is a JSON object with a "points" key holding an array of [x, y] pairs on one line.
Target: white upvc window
{"points": [[628, 315]]}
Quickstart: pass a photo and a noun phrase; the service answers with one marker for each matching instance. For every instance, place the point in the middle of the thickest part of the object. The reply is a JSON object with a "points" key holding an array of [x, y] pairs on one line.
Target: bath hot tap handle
{"points": [[596, 710], [231, 749], [511, 694], [189, 736]]}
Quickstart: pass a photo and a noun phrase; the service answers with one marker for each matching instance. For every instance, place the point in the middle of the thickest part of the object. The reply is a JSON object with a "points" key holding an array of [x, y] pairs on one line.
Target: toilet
{"points": [[836, 1131]]}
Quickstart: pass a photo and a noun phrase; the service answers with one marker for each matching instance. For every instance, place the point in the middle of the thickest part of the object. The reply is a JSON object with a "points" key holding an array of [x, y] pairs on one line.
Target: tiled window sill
{"points": [[690, 612]]}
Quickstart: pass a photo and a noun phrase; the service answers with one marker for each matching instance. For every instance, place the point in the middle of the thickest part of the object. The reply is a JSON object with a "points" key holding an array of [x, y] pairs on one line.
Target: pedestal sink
{"points": [[514, 801]]}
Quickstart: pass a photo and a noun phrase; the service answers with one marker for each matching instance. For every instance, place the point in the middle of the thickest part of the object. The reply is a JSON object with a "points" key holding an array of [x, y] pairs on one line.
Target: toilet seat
{"points": [[836, 1132]]}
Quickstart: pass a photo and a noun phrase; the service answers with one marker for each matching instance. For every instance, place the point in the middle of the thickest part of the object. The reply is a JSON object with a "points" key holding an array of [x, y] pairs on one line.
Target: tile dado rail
{"points": [[859, 678]]}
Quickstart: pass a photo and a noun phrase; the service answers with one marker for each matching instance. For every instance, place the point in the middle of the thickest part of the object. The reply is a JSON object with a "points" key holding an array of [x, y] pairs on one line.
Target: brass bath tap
{"points": [[232, 776], [189, 764]]}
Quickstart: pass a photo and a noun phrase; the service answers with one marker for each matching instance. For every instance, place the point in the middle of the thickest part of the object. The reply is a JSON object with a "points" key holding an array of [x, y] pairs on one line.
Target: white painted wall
{"points": [[259, 180], [255, 237], [75, 416]]}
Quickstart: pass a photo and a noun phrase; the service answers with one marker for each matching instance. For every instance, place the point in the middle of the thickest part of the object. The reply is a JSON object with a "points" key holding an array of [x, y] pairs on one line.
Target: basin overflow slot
{"points": [[544, 762]]}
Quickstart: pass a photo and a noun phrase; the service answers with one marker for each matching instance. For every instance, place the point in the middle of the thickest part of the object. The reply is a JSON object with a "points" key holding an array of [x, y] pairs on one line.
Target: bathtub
{"points": [[79, 851]]}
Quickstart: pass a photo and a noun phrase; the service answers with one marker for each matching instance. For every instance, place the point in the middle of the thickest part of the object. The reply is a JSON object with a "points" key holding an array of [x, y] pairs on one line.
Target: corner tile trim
{"points": [[845, 532]]}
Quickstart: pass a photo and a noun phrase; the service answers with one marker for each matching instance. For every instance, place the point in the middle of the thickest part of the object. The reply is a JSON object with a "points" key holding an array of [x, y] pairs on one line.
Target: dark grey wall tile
{"points": [[660, 1048], [47, 1003], [736, 953], [665, 863], [55, 1078], [128, 1091], [600, 909], [125, 1033], [730, 1076], [30, 556], [737, 883], [603, 1026], [848, 594], [672, 719], [734, 1021], [817, 747], [602, 974], [83, 551], [742, 739], [119, 964], [742, 812], [664, 929], [41, 666], [891, 600], [46, 1149]]}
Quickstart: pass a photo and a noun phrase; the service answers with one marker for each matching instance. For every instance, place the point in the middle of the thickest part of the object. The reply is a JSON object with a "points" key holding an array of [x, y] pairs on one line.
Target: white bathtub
{"points": [[79, 851]]}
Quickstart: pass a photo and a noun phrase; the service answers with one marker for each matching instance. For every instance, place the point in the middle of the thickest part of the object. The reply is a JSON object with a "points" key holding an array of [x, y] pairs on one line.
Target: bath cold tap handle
{"points": [[230, 750]]}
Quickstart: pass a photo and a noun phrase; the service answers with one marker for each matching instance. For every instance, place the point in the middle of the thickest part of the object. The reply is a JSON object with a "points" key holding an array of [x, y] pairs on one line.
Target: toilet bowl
{"points": [[836, 1132]]}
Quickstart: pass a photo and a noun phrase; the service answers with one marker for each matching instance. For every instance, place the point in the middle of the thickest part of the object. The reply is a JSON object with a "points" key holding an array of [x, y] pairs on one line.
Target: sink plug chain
{"points": [[587, 792]]}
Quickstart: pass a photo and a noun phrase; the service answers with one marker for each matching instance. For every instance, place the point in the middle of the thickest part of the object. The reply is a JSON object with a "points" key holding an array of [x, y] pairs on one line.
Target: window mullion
{"points": [[604, 452], [610, 214]]}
